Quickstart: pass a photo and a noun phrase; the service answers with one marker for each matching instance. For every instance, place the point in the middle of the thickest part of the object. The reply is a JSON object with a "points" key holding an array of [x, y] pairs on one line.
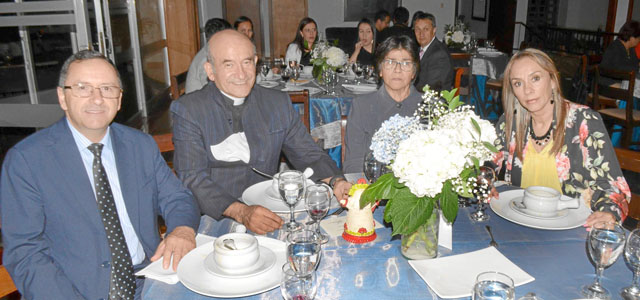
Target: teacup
{"points": [[240, 260], [545, 201]]}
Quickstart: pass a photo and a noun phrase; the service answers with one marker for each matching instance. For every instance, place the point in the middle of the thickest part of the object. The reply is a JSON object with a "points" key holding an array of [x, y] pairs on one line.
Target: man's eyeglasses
{"points": [[85, 90], [390, 64]]}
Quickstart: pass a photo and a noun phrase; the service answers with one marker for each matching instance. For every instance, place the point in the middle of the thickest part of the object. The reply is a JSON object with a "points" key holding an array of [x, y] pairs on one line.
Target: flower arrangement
{"points": [[457, 35], [437, 162], [325, 57]]}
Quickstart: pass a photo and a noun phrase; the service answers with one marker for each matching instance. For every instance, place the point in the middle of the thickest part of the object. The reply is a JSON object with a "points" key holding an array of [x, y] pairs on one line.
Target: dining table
{"points": [[557, 259], [486, 64]]}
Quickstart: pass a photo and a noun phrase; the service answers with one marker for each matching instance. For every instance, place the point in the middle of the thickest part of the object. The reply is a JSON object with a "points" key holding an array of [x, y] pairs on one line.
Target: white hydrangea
{"points": [[335, 56], [458, 36]]}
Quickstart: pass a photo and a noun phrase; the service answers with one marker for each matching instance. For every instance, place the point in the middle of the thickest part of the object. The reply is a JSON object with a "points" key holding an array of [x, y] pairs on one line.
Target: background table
{"points": [[557, 259], [486, 66]]}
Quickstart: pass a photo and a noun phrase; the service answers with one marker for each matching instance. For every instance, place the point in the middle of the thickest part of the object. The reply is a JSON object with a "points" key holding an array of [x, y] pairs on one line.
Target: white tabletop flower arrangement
{"points": [[432, 164], [325, 57], [457, 35]]}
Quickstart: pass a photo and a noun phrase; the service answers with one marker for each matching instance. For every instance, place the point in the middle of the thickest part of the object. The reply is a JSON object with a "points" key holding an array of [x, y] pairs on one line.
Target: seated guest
{"points": [[400, 21], [436, 65], [545, 140], [619, 55], [196, 76], [300, 49], [363, 52], [80, 199], [245, 26], [227, 128], [397, 63], [382, 20]]}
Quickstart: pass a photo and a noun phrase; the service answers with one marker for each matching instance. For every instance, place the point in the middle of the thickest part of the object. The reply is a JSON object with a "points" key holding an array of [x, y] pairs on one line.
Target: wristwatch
{"points": [[334, 179]]}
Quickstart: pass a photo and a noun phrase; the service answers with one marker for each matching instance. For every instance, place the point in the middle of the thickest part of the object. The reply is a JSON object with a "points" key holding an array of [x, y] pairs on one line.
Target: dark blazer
{"points": [[55, 246], [397, 30], [436, 68], [271, 124]]}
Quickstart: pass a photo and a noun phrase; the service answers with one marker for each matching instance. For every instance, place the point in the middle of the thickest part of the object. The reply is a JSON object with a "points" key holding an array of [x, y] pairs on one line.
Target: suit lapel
{"points": [[127, 174]]}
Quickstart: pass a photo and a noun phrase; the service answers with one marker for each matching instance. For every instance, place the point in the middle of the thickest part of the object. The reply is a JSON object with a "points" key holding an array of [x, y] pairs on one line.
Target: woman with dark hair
{"points": [[245, 26], [397, 64], [545, 140], [363, 50], [620, 53], [300, 49]]}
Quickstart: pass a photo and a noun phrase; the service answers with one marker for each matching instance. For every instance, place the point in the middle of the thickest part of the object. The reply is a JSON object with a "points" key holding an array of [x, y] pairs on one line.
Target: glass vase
{"points": [[423, 243]]}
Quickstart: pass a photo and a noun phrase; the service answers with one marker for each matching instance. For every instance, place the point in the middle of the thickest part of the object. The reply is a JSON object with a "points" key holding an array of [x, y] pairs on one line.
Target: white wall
{"points": [[586, 14], [479, 27], [621, 14], [521, 16]]}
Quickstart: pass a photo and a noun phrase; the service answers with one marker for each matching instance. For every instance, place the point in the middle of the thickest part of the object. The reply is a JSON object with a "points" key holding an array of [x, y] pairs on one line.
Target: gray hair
{"points": [[210, 56], [81, 56]]}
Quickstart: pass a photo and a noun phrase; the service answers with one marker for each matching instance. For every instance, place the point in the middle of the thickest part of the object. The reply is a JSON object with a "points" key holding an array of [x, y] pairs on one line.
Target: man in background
{"points": [[400, 22], [436, 65], [197, 76], [382, 20]]}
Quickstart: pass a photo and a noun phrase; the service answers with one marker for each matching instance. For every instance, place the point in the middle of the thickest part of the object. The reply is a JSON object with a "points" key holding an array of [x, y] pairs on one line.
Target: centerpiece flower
{"points": [[457, 36], [326, 57], [432, 163]]}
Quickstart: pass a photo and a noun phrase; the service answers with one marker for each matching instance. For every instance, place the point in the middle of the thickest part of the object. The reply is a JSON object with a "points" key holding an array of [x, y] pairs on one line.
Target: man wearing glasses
{"points": [[79, 200], [436, 65]]}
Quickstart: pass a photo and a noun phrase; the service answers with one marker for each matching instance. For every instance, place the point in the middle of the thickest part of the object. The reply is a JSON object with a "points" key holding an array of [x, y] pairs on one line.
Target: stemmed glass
{"points": [[291, 186], [373, 169], [264, 69], [482, 191], [293, 64], [605, 243], [357, 69], [285, 74], [303, 251], [632, 254], [295, 74], [317, 199], [368, 72], [294, 287], [493, 285], [278, 63]]}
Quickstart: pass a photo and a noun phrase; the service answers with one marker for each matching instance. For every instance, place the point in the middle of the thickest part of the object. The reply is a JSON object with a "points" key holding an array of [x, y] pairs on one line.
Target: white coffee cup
{"points": [[242, 259], [545, 201]]}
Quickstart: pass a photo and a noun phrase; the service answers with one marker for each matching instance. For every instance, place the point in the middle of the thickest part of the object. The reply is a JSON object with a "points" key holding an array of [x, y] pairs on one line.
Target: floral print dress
{"points": [[586, 164]]}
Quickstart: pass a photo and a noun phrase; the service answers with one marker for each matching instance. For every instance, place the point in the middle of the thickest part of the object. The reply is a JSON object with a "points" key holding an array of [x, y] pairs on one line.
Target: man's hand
{"points": [[255, 217], [599, 216], [177, 244], [341, 189]]}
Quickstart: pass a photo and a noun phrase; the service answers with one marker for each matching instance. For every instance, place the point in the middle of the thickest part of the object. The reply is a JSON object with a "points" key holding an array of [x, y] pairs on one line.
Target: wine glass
{"points": [[368, 72], [357, 69], [293, 64], [264, 69], [278, 63], [373, 169], [285, 74], [294, 287], [605, 243], [295, 74], [317, 199], [291, 186], [303, 251], [482, 191], [493, 285], [632, 254]]}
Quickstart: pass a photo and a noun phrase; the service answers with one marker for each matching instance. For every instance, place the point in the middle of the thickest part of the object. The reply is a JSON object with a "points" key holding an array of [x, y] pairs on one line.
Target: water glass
{"points": [[373, 169], [291, 186], [264, 69], [357, 69], [482, 191], [294, 287], [278, 63], [632, 254], [605, 243], [285, 74], [493, 286], [318, 200], [303, 251], [295, 74], [293, 64]]}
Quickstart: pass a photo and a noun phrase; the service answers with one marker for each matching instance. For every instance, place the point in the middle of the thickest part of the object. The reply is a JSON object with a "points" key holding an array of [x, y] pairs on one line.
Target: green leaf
{"points": [[476, 126], [387, 211], [490, 146], [448, 95], [381, 189], [476, 162], [409, 212], [449, 202]]}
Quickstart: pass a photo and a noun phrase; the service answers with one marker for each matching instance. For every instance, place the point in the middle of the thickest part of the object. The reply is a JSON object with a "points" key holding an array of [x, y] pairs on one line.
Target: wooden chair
{"points": [[463, 72], [603, 102], [165, 145], [7, 287], [343, 134], [302, 97], [627, 117], [178, 83], [461, 59], [630, 161], [496, 104]]}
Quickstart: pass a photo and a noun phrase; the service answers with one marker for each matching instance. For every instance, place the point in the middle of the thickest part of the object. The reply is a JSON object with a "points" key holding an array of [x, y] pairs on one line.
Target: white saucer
{"points": [[266, 261], [574, 218], [268, 84], [263, 194], [532, 214], [193, 273]]}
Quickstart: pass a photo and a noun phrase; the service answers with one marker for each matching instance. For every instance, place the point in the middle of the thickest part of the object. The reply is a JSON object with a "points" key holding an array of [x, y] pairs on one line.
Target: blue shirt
{"points": [[109, 162]]}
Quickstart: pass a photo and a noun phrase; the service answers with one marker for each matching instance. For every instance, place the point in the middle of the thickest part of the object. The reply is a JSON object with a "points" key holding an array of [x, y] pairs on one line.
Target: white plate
{"points": [[360, 89], [263, 194], [268, 84], [266, 261], [575, 217], [528, 213], [271, 77], [194, 276]]}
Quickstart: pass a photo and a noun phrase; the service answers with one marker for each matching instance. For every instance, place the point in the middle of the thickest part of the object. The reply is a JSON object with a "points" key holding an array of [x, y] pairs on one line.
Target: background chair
{"points": [[462, 81], [302, 97], [627, 118], [178, 83]]}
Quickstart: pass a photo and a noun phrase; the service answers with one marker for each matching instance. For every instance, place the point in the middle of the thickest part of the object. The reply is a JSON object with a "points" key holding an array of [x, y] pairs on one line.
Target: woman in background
{"points": [[245, 26], [300, 49], [363, 51]]}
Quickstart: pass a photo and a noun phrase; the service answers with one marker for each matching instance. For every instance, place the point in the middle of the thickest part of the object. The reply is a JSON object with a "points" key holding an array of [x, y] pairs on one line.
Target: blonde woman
{"points": [[546, 140]]}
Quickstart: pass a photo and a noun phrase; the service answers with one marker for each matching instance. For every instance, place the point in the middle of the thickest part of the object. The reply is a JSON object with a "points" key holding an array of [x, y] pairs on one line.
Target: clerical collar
{"points": [[236, 101]]}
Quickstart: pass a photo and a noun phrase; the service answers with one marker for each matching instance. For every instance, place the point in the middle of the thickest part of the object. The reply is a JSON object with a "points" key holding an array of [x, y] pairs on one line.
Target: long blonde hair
{"points": [[514, 111]]}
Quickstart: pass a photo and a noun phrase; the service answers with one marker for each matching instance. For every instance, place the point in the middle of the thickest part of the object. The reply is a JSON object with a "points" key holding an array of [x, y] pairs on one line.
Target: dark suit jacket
{"points": [[436, 68], [271, 125], [54, 239], [395, 30]]}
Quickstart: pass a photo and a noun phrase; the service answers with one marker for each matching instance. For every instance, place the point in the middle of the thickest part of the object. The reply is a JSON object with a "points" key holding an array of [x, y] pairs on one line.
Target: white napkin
{"points": [[155, 271], [454, 276], [312, 90], [233, 148], [445, 233], [334, 225], [363, 87]]}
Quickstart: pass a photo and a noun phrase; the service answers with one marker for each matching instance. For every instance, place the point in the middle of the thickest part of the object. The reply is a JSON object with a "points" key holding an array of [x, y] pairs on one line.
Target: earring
{"points": [[553, 96]]}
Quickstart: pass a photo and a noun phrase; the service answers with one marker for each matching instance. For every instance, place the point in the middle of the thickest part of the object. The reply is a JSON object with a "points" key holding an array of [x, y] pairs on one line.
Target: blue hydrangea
{"points": [[385, 141]]}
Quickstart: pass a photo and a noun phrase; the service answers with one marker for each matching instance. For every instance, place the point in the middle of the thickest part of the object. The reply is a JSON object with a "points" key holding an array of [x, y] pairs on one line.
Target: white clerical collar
{"points": [[236, 101]]}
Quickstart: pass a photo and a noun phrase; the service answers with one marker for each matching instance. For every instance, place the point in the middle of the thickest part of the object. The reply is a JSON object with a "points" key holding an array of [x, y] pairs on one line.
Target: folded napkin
{"points": [[233, 148], [311, 89], [155, 270], [363, 87], [454, 276], [334, 226]]}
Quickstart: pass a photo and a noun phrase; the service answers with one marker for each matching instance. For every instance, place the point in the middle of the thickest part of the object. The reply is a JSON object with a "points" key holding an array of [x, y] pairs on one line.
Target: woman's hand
{"points": [[599, 216], [356, 52]]}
